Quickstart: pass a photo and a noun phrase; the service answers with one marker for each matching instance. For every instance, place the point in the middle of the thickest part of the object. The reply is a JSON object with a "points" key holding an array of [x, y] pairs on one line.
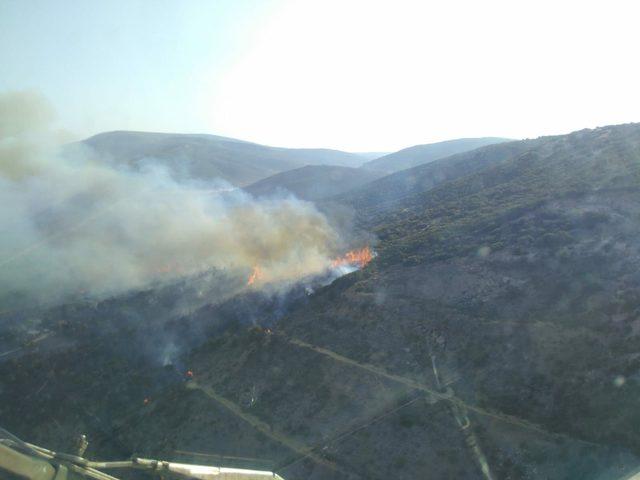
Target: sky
{"points": [[358, 75]]}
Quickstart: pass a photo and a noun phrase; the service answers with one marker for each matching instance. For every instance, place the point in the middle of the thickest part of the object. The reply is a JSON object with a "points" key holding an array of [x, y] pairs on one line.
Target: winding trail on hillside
{"points": [[263, 427], [431, 391], [305, 451]]}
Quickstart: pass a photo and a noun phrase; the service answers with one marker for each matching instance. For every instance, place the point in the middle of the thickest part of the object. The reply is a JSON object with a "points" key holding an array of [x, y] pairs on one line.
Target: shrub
{"points": [[555, 239], [593, 219]]}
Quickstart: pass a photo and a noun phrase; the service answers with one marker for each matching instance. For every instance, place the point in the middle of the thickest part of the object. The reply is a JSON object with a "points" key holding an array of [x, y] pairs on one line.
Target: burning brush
{"points": [[255, 275], [347, 263], [355, 258]]}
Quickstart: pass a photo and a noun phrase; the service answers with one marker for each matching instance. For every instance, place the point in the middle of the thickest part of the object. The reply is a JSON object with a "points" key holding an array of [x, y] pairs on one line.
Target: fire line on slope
{"points": [[355, 259]]}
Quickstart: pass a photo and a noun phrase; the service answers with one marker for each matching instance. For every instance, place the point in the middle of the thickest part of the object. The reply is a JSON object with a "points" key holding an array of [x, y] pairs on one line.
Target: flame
{"points": [[255, 275], [357, 258]]}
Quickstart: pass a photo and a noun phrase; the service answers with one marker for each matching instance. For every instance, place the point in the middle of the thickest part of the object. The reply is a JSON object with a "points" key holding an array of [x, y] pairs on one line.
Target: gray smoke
{"points": [[74, 224]]}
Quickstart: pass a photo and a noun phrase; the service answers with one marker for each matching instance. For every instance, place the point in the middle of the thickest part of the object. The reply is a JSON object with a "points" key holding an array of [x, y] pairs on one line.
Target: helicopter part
{"points": [[30, 462], [24, 466], [82, 445]]}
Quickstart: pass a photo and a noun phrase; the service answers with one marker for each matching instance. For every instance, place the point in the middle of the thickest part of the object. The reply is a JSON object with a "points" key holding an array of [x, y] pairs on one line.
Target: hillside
{"points": [[496, 329], [209, 157], [520, 281], [389, 192], [372, 155], [421, 154], [314, 182]]}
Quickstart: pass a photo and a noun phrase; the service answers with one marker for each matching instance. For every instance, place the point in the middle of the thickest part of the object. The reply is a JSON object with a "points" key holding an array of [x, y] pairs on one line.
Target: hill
{"points": [[389, 192], [207, 157], [314, 182], [519, 281], [372, 155], [420, 154], [496, 330]]}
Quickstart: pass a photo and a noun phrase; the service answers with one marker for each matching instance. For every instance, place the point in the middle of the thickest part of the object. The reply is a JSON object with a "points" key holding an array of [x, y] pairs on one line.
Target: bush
{"points": [[556, 239], [593, 219]]}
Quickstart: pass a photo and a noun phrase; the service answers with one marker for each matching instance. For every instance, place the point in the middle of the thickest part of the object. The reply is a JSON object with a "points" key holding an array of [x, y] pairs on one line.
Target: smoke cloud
{"points": [[73, 224]]}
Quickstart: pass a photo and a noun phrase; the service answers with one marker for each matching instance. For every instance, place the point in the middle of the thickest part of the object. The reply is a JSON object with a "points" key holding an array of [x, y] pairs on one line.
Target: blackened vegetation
{"points": [[95, 366], [519, 275]]}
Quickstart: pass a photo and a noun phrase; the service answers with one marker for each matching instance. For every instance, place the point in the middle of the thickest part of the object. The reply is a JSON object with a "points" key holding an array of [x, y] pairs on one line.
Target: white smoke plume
{"points": [[72, 223]]}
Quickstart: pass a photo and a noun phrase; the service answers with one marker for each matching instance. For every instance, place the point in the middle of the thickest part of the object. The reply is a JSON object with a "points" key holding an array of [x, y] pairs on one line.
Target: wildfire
{"points": [[169, 268], [255, 275], [357, 258]]}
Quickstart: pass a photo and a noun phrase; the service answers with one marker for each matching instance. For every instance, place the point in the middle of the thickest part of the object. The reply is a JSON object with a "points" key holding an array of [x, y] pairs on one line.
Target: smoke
{"points": [[73, 224]]}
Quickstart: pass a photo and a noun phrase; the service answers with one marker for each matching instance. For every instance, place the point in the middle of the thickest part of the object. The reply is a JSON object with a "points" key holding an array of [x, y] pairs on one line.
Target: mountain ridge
{"points": [[313, 182], [207, 157], [420, 154]]}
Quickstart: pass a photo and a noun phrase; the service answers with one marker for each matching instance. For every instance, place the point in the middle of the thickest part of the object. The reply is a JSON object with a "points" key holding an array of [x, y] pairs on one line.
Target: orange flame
{"points": [[357, 258], [255, 275]]}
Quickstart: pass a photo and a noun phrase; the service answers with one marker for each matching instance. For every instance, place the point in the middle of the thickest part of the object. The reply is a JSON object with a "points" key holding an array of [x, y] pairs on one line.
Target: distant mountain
{"points": [[314, 182], [372, 155], [207, 157], [387, 193], [420, 154]]}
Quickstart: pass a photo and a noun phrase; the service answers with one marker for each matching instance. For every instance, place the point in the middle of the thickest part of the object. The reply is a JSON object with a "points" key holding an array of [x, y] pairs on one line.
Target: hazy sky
{"points": [[357, 75]]}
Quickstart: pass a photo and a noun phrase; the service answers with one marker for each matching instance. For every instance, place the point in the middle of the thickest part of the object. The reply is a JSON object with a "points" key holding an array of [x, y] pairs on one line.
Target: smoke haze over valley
{"points": [[77, 225]]}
